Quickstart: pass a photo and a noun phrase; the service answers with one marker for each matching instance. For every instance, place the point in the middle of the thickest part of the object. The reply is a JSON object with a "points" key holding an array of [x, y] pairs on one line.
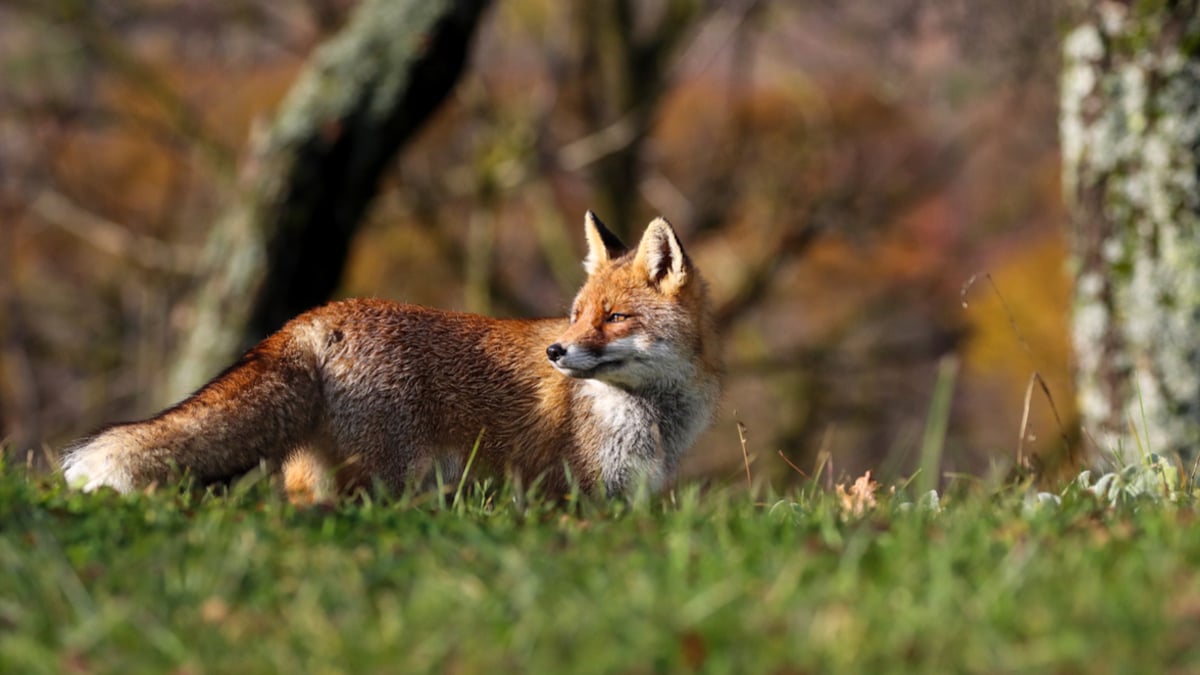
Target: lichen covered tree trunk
{"points": [[309, 176], [1130, 133]]}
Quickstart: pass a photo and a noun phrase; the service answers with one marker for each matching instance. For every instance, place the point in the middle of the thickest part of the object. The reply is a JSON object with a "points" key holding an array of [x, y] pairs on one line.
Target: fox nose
{"points": [[555, 352]]}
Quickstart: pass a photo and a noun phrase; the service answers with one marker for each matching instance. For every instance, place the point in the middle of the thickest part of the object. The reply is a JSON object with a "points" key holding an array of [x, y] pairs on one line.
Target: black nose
{"points": [[555, 352]]}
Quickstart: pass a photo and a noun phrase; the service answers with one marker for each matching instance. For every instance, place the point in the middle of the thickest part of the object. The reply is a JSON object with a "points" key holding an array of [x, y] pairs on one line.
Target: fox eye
{"points": [[616, 317]]}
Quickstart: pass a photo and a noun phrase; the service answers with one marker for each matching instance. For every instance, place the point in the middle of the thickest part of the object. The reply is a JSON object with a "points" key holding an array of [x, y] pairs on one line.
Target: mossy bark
{"points": [[310, 175], [1130, 133]]}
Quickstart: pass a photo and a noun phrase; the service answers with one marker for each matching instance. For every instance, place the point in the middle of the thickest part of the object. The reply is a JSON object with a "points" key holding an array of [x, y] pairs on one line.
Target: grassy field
{"points": [[711, 581]]}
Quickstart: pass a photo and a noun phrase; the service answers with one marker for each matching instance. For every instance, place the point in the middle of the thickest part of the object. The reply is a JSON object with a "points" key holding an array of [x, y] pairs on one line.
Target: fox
{"points": [[362, 393]]}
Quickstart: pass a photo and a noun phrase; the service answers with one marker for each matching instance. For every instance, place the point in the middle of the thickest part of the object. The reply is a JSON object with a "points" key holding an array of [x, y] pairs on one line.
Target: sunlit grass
{"points": [[487, 579]]}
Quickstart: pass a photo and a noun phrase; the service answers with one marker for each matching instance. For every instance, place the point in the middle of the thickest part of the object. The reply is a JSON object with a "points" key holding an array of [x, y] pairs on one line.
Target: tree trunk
{"points": [[307, 181], [1130, 133]]}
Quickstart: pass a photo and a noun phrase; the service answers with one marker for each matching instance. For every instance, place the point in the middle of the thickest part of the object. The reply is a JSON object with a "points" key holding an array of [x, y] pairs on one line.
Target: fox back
{"points": [[363, 392]]}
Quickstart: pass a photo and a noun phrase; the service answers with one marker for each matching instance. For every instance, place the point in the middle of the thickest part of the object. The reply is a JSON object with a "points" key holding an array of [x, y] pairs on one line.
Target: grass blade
{"points": [[937, 423]]}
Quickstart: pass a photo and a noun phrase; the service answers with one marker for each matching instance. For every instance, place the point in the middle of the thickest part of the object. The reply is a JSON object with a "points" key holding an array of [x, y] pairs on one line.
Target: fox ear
{"points": [[602, 244], [662, 256]]}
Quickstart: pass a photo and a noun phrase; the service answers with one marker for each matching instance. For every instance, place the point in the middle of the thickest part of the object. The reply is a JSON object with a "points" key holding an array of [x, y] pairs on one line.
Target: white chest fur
{"points": [[642, 435]]}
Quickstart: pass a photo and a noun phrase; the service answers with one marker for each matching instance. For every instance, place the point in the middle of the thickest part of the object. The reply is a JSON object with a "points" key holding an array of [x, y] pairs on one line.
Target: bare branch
{"points": [[113, 238]]}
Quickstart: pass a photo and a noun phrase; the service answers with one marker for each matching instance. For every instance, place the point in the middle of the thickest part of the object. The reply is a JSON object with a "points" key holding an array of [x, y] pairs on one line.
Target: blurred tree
{"points": [[626, 69], [308, 178], [1130, 134]]}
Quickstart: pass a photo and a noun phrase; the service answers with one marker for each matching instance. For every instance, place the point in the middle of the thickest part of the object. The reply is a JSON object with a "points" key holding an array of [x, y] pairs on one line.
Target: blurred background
{"points": [[870, 188]]}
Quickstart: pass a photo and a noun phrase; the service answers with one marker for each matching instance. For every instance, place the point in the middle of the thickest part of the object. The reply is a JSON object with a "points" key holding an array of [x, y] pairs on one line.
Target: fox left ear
{"points": [[662, 256], [603, 245]]}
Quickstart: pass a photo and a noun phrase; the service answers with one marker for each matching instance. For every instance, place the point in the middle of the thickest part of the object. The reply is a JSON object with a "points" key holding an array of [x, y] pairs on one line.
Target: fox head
{"points": [[641, 318]]}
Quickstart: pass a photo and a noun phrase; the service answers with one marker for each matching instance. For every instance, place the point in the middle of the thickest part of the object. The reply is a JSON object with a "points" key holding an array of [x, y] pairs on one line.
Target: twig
{"points": [[110, 237], [741, 429], [1035, 377], [1025, 420], [794, 467], [613, 138], [825, 458]]}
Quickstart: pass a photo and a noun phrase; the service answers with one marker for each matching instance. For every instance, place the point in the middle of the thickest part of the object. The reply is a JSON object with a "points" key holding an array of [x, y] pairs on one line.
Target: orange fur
{"points": [[373, 391]]}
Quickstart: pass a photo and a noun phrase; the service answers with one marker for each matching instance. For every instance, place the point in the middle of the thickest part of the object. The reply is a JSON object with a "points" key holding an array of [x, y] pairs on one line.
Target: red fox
{"points": [[367, 391]]}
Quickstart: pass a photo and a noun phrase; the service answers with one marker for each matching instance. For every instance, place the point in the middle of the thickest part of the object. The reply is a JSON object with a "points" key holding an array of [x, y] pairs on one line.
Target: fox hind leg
{"points": [[307, 478]]}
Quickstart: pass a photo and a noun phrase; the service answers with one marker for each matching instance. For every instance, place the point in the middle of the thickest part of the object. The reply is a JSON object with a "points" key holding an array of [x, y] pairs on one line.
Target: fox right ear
{"points": [[602, 244]]}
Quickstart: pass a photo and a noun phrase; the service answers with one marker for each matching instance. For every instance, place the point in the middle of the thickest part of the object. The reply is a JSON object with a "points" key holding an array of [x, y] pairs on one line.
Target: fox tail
{"points": [[261, 408]]}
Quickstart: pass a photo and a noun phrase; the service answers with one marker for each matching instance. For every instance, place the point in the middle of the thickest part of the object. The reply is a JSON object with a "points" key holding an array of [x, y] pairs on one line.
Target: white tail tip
{"points": [[96, 464]]}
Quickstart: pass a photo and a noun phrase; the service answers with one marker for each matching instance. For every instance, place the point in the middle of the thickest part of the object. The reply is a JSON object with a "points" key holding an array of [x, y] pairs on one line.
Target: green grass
{"points": [[701, 581]]}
